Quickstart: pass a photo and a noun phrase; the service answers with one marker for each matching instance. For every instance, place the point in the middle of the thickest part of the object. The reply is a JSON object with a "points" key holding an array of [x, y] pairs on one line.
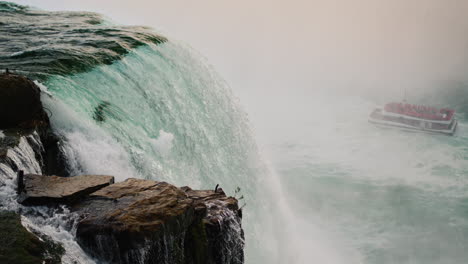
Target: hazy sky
{"points": [[303, 45]]}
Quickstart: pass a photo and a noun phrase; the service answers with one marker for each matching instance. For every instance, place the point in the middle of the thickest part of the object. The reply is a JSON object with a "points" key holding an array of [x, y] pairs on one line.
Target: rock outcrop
{"points": [[219, 238], [143, 221], [20, 103], [43, 190], [22, 116]]}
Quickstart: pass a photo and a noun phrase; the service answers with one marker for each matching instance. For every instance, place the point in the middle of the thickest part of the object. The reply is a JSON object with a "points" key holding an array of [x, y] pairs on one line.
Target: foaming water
{"points": [[166, 110], [336, 190], [60, 226], [88, 148], [56, 224], [161, 113], [387, 196], [130, 104], [301, 239]]}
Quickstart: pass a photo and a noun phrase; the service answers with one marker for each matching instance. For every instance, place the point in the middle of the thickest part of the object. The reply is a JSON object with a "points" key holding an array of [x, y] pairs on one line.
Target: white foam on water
{"points": [[88, 148], [372, 193], [43, 88], [53, 224], [50, 222], [299, 238], [163, 143], [209, 143], [24, 157]]}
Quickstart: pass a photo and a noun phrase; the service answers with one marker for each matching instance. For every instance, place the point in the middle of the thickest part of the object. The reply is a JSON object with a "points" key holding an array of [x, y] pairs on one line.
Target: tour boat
{"points": [[415, 118]]}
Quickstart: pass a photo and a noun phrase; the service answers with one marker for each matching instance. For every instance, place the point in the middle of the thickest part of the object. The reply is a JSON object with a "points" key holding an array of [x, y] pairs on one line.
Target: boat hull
{"points": [[389, 124]]}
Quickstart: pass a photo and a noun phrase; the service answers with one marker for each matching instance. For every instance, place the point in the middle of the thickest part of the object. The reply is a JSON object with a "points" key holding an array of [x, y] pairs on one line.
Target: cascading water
{"points": [[167, 117], [53, 223], [131, 104]]}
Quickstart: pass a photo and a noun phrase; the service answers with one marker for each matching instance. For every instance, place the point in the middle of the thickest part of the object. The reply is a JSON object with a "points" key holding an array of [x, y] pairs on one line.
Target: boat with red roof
{"points": [[415, 118]]}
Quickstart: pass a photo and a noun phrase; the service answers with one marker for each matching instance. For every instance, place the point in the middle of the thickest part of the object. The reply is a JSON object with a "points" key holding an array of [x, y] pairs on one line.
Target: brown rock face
{"points": [[40, 190], [20, 103], [220, 227], [143, 221], [136, 206]]}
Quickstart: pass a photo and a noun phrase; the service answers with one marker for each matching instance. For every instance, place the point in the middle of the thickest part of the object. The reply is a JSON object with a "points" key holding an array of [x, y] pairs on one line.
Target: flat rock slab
{"points": [[42, 190]]}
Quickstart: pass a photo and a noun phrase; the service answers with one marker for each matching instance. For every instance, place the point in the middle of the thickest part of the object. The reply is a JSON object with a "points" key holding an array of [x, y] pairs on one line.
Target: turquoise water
{"points": [[381, 196], [129, 103], [319, 184], [167, 117]]}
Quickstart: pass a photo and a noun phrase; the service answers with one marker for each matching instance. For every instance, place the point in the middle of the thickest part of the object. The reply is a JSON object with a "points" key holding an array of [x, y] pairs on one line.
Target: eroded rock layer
{"points": [[143, 221]]}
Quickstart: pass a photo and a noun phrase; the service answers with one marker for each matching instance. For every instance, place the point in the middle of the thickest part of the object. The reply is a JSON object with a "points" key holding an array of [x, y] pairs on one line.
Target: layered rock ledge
{"points": [[145, 221]]}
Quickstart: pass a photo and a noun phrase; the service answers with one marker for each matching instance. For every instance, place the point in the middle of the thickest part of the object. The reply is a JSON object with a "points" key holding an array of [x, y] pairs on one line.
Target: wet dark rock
{"points": [[22, 116], [7, 142], [18, 245], [105, 111], [43, 190], [100, 110], [144, 221], [54, 161], [20, 103], [220, 230]]}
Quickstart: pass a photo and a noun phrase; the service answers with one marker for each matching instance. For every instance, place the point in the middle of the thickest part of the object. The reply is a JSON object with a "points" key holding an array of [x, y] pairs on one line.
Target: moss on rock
{"points": [[18, 245]]}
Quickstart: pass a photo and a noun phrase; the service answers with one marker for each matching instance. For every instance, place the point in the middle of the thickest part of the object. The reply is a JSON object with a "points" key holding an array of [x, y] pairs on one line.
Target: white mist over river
{"points": [[308, 73]]}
